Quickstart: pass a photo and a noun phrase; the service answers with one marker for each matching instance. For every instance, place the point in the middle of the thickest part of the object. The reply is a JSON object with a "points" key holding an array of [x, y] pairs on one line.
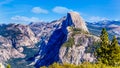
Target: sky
{"points": [[26, 11]]}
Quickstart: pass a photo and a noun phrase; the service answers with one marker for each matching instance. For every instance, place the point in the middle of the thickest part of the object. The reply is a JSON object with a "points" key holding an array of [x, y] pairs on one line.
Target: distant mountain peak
{"points": [[76, 20]]}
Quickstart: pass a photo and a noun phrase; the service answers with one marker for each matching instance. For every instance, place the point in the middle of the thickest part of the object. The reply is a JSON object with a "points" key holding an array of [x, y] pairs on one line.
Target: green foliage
{"points": [[69, 42], [55, 65], [83, 65], [108, 53], [8, 66], [104, 37], [77, 31], [103, 50], [114, 52], [92, 48]]}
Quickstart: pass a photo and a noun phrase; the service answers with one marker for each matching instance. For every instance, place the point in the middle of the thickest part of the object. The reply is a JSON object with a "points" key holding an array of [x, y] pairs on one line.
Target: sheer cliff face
{"points": [[54, 51], [76, 19]]}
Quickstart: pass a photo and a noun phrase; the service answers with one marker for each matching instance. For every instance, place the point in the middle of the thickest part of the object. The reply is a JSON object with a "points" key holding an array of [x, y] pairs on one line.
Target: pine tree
{"points": [[114, 58], [102, 51], [108, 53]]}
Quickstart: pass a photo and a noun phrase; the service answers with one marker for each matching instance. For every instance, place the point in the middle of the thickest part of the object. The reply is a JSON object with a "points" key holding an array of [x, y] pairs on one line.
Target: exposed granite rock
{"points": [[55, 41], [53, 51], [48, 55], [12, 39], [21, 35], [41, 29], [76, 19], [77, 53], [7, 51]]}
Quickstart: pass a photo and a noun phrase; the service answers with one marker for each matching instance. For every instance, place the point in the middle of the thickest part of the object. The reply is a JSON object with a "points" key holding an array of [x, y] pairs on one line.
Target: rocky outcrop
{"points": [[44, 29], [12, 39], [7, 51], [55, 41], [54, 51], [20, 35], [81, 51], [48, 55], [76, 19]]}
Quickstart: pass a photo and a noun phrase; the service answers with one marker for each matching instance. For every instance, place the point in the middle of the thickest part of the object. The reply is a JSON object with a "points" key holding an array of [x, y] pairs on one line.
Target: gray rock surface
{"points": [[53, 51], [7, 51], [12, 39], [76, 19], [77, 53]]}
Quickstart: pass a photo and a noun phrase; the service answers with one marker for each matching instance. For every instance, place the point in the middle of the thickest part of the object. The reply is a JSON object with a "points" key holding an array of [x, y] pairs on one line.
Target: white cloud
{"points": [[61, 10], [25, 19], [97, 18], [5, 2], [38, 10]]}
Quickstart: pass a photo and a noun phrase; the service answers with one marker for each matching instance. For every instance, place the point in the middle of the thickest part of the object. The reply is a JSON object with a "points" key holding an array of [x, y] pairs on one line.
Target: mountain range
{"points": [[67, 40]]}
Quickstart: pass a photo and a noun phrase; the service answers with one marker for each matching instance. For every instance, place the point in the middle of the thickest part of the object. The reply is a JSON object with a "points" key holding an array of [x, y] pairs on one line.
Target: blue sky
{"points": [[25, 11]]}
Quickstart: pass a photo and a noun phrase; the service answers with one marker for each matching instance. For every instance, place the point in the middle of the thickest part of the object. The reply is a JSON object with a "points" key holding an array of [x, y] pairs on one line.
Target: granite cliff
{"points": [[13, 37], [68, 43], [67, 40]]}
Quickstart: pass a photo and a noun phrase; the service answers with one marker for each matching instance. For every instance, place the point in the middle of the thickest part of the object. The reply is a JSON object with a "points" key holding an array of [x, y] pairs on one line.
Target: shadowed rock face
{"points": [[51, 52]]}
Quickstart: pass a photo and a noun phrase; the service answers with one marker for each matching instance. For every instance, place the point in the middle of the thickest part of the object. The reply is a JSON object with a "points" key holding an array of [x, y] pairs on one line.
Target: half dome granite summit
{"points": [[53, 51], [76, 19]]}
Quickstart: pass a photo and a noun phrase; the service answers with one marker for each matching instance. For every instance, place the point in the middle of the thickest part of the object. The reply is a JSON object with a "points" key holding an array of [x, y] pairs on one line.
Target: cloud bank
{"points": [[25, 19]]}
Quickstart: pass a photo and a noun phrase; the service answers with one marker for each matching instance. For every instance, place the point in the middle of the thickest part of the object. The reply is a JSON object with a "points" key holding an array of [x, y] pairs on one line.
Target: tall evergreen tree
{"points": [[102, 51], [114, 52], [108, 53]]}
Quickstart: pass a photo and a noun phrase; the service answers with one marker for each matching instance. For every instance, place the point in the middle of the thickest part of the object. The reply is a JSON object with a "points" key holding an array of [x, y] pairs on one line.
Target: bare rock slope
{"points": [[12, 39], [74, 33], [77, 20]]}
